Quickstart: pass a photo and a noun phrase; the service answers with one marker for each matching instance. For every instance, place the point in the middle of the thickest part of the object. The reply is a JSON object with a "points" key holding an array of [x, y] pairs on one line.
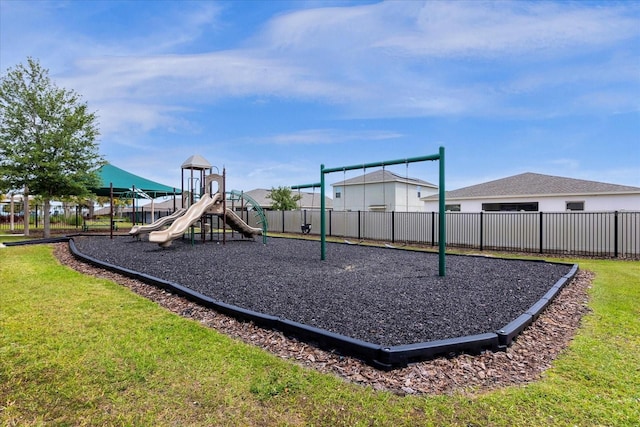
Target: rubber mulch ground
{"points": [[379, 295]]}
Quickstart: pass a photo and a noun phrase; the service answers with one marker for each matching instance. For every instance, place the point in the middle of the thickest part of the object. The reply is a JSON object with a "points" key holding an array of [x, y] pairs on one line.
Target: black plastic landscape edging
{"points": [[380, 357], [510, 331], [38, 241]]}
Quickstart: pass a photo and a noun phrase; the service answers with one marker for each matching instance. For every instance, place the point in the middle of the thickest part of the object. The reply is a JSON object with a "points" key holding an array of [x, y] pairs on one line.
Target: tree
{"points": [[47, 138], [283, 199]]}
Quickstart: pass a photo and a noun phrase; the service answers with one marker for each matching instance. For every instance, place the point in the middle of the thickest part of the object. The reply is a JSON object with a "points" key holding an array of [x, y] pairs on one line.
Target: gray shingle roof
{"points": [[539, 185], [383, 176]]}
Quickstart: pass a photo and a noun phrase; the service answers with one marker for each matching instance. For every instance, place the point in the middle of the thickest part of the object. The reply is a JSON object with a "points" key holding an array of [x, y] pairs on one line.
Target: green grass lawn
{"points": [[77, 350]]}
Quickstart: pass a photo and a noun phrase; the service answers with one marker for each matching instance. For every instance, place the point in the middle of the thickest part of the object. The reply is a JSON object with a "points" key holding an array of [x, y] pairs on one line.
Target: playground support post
{"points": [[441, 199], [442, 232], [110, 210]]}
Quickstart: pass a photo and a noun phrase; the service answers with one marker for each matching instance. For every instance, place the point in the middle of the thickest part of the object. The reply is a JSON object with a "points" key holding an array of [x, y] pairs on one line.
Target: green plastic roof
{"points": [[124, 181]]}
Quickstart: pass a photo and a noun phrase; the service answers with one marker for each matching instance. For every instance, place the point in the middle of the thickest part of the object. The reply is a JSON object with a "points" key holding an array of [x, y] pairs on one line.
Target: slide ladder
{"points": [[251, 205]]}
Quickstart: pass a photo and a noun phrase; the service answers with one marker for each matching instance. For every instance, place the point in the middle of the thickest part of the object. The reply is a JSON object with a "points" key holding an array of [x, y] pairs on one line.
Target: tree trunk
{"points": [[13, 212], [46, 218], [27, 213]]}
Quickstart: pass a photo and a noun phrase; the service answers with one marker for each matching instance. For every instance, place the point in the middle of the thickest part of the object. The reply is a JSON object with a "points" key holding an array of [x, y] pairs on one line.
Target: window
{"points": [[575, 206], [452, 208], [510, 207], [338, 194]]}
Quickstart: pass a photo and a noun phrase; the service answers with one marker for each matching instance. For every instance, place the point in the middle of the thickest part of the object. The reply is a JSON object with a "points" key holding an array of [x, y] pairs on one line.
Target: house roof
{"points": [[383, 175], [166, 204], [535, 184]]}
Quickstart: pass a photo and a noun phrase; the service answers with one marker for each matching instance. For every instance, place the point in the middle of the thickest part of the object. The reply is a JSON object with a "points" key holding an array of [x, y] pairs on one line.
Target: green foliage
{"points": [[283, 199], [47, 137], [71, 220]]}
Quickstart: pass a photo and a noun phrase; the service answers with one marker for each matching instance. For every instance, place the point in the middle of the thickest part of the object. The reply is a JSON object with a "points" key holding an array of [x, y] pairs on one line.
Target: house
{"points": [[381, 190], [309, 200], [539, 193]]}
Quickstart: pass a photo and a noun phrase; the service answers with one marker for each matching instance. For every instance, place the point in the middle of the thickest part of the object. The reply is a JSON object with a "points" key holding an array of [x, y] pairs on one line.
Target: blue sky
{"points": [[272, 89]]}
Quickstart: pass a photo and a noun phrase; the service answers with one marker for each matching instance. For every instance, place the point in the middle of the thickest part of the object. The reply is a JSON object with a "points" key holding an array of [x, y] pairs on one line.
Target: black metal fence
{"points": [[603, 234], [75, 218]]}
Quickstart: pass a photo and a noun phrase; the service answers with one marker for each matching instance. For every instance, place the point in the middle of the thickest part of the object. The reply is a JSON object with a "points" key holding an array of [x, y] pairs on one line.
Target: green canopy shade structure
{"points": [[125, 182]]}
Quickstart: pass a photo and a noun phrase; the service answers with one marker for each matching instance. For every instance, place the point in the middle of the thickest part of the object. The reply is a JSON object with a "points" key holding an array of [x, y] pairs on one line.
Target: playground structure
{"points": [[421, 320], [203, 205], [441, 199], [137, 230]]}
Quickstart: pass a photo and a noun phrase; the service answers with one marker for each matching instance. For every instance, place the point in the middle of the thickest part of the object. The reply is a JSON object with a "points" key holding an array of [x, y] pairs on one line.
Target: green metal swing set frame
{"points": [[441, 199]]}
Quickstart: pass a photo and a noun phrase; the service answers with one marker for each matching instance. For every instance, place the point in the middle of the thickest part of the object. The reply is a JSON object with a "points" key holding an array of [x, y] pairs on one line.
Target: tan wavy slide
{"points": [[180, 225], [158, 224], [239, 225]]}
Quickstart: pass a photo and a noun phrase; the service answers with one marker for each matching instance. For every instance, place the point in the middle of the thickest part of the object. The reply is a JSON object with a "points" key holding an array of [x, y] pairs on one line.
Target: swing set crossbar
{"points": [[441, 199], [379, 164], [301, 186]]}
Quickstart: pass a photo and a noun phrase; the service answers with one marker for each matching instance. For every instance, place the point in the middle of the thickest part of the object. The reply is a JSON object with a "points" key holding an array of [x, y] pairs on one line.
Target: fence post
{"points": [[615, 234], [359, 234], [283, 221], [433, 228], [541, 234], [393, 226], [330, 221], [481, 230]]}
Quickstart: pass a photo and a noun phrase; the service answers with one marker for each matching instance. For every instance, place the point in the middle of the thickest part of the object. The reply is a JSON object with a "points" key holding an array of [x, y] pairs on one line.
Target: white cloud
{"points": [[267, 174], [200, 78], [327, 136], [390, 59], [129, 118], [489, 29]]}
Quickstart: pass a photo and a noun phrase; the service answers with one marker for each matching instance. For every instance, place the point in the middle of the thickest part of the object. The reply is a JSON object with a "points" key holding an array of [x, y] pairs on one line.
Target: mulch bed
{"points": [[529, 356]]}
